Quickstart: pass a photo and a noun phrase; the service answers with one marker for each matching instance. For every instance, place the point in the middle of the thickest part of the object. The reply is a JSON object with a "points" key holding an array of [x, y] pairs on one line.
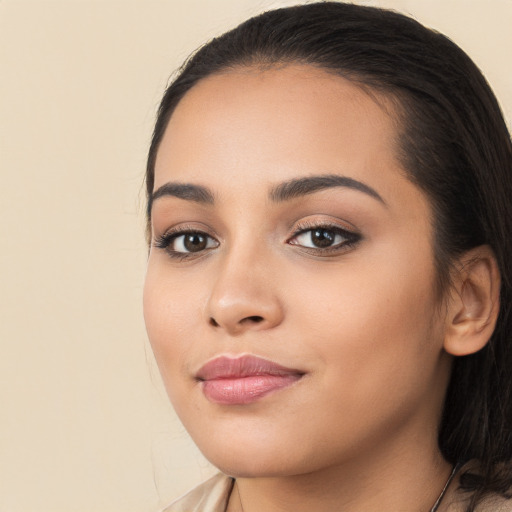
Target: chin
{"points": [[251, 458], [250, 467]]}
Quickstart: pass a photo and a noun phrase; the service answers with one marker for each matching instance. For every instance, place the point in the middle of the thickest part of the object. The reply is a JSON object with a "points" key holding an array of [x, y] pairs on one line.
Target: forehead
{"points": [[288, 120]]}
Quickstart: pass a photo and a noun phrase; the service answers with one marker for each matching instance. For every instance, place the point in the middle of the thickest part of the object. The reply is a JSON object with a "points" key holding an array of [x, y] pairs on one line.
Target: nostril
{"points": [[256, 319]]}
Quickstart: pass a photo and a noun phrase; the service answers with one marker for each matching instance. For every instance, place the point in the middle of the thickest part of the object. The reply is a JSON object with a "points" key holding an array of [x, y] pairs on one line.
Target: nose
{"points": [[244, 297]]}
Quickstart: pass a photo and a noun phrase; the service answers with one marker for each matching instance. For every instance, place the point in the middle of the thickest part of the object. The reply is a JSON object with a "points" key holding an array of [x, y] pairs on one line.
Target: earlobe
{"points": [[473, 305]]}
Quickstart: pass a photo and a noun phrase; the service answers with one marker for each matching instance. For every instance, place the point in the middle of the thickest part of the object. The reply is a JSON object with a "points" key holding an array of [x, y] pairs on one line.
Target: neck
{"points": [[391, 481]]}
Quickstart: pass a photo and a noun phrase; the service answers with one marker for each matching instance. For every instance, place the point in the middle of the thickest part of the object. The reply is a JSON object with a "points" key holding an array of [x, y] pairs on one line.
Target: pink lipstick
{"points": [[243, 380]]}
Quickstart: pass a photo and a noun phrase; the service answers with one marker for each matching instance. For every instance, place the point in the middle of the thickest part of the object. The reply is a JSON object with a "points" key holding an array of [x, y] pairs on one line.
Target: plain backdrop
{"points": [[85, 425]]}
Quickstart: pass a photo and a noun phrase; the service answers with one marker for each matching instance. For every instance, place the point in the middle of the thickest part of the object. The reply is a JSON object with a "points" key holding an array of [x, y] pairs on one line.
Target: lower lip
{"points": [[245, 390]]}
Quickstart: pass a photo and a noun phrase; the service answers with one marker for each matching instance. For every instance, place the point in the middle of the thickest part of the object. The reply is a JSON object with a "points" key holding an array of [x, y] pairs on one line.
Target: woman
{"points": [[328, 286]]}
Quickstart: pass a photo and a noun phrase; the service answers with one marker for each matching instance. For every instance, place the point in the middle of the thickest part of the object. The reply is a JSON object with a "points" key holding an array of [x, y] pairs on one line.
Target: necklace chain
{"points": [[443, 492], [433, 509]]}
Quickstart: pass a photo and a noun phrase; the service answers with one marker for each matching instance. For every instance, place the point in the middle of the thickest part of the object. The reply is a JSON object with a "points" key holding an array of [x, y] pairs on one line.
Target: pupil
{"points": [[322, 237], [195, 242]]}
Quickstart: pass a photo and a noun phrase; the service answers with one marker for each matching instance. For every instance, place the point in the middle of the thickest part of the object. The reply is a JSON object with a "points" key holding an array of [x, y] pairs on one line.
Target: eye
{"points": [[183, 243], [325, 238], [192, 242]]}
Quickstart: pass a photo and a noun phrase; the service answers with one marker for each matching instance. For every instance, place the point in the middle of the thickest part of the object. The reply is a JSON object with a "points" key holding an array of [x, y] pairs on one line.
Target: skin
{"points": [[363, 321]]}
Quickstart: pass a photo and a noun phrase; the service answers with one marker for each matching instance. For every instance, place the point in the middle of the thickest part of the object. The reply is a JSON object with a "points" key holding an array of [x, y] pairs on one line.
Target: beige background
{"points": [[85, 425]]}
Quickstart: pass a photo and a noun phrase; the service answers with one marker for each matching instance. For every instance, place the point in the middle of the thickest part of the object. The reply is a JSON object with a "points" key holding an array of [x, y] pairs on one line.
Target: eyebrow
{"points": [[187, 191], [303, 186], [285, 191]]}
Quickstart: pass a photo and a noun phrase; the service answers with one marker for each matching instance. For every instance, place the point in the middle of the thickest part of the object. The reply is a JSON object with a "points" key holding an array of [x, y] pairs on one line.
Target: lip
{"points": [[243, 380]]}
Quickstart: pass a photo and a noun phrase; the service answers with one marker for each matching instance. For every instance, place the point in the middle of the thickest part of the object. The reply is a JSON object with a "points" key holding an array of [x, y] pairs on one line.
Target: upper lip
{"points": [[225, 367]]}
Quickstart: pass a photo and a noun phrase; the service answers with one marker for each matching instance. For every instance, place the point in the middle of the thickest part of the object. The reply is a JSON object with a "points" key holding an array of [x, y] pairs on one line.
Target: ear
{"points": [[474, 303]]}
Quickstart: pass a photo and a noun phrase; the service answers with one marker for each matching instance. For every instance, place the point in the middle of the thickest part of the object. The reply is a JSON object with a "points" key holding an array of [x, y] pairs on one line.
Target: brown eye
{"points": [[325, 239], [186, 242], [322, 237], [194, 242]]}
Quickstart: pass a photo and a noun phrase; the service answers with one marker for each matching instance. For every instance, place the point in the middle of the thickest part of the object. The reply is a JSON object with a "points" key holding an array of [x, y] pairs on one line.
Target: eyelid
{"points": [[337, 224], [183, 228]]}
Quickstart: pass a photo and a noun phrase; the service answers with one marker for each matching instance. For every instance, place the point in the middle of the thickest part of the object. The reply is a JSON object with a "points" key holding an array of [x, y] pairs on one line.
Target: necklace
{"points": [[443, 492], [434, 507]]}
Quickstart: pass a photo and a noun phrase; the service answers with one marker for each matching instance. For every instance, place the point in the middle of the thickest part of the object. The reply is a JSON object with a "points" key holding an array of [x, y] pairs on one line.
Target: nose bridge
{"points": [[244, 294]]}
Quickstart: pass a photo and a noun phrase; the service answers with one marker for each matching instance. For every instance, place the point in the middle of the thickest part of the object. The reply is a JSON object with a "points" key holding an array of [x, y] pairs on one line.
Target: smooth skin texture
{"points": [[359, 316]]}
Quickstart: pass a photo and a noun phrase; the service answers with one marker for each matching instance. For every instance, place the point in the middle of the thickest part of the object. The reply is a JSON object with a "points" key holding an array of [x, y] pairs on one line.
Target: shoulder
{"points": [[459, 497], [459, 501], [210, 496], [495, 504]]}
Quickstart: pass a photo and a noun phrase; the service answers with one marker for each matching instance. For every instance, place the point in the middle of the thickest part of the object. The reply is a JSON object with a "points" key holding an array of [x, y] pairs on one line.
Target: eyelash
{"points": [[350, 240], [166, 240]]}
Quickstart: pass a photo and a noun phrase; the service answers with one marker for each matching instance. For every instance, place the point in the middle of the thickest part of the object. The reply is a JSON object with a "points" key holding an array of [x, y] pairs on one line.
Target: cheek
{"points": [[372, 336], [374, 318], [170, 312]]}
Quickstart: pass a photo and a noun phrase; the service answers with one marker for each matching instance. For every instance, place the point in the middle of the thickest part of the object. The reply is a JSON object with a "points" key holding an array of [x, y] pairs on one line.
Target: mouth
{"points": [[243, 380]]}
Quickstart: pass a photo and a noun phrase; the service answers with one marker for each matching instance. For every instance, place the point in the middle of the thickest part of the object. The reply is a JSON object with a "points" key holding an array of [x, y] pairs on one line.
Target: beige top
{"points": [[213, 496], [210, 496]]}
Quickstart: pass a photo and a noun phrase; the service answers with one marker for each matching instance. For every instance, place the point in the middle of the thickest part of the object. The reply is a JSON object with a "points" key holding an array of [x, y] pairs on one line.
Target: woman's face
{"points": [[284, 228]]}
